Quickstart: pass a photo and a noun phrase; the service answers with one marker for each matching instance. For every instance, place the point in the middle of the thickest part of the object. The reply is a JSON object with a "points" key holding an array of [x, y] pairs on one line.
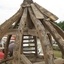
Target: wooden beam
{"points": [[50, 38], [8, 41], [47, 50], [59, 30], [46, 13], [7, 24], [55, 34], [37, 13], [6, 46], [35, 40], [17, 49], [25, 60], [26, 32]]}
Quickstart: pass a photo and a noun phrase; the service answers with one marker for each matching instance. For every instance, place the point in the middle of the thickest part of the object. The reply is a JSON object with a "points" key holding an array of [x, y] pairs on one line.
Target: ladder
{"points": [[29, 45]]}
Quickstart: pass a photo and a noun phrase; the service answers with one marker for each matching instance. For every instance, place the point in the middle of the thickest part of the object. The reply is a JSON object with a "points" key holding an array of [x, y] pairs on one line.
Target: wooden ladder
{"points": [[29, 45]]}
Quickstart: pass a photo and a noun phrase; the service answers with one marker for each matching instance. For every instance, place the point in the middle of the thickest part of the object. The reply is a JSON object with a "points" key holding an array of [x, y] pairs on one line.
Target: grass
{"points": [[57, 54]]}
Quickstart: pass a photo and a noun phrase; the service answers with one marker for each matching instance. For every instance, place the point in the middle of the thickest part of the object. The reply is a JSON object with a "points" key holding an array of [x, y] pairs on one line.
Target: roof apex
{"points": [[28, 1]]}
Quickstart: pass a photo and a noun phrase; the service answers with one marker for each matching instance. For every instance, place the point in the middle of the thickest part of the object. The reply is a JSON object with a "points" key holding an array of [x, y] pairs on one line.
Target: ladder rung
{"points": [[28, 46], [28, 39], [28, 42], [28, 50], [29, 54]]}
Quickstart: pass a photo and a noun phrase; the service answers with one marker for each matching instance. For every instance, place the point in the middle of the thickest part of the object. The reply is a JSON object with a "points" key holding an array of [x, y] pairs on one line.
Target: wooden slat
{"points": [[28, 42], [55, 34], [37, 13], [17, 49], [47, 50], [59, 30], [46, 13], [28, 39], [25, 59], [28, 46], [28, 50], [7, 24]]}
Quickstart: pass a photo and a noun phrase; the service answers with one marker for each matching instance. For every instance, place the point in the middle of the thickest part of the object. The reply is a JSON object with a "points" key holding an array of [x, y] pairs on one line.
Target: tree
{"points": [[61, 25]]}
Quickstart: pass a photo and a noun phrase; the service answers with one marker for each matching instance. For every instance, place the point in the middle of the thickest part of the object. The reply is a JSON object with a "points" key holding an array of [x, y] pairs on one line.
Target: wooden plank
{"points": [[25, 59], [47, 50], [55, 34], [17, 49], [6, 46], [7, 24], [59, 30], [28, 46], [37, 13], [26, 32], [28, 50], [46, 13]]}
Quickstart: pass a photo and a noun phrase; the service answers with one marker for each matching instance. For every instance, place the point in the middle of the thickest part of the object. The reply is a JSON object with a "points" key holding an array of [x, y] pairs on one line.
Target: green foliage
{"points": [[61, 25], [57, 54]]}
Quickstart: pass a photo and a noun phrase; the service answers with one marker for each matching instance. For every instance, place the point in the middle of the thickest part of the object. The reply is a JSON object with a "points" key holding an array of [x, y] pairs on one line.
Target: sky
{"points": [[10, 7]]}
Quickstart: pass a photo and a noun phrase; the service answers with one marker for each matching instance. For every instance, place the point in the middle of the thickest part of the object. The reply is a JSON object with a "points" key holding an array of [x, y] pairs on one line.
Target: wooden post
{"points": [[6, 46], [8, 41], [17, 49], [55, 34], [47, 50], [50, 38], [35, 46], [59, 30]]}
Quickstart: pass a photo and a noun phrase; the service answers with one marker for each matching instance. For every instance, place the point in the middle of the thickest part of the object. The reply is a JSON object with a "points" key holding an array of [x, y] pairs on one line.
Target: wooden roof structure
{"points": [[32, 19]]}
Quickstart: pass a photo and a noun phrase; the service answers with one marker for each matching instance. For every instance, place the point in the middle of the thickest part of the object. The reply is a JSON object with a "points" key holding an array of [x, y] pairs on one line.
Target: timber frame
{"points": [[33, 20]]}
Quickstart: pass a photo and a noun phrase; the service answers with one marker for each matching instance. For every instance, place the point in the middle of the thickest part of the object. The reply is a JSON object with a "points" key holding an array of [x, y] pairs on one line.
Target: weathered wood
{"points": [[27, 1], [37, 13], [35, 41], [46, 13], [26, 32], [8, 41], [17, 49], [55, 35], [47, 50], [7, 24], [6, 46], [59, 30], [50, 38], [25, 59]]}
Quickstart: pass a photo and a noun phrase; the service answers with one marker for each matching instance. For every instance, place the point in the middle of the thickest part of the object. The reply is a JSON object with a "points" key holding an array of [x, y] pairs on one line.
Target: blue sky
{"points": [[9, 7]]}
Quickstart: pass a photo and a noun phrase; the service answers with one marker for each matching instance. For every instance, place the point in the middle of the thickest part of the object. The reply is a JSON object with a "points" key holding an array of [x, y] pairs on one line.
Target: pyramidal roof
{"points": [[32, 19], [28, 7]]}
